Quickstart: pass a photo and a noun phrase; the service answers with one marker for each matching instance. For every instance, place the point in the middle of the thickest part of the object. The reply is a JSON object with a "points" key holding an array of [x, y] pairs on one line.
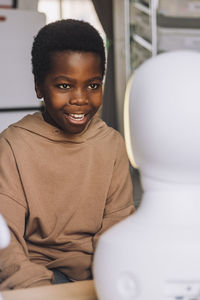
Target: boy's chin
{"points": [[74, 129]]}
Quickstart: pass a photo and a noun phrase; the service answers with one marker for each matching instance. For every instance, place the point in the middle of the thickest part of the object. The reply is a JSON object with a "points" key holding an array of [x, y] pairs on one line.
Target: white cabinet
{"points": [[17, 30], [17, 94]]}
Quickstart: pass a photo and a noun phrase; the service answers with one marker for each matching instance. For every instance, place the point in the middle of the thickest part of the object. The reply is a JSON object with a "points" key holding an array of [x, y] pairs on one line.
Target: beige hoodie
{"points": [[58, 193]]}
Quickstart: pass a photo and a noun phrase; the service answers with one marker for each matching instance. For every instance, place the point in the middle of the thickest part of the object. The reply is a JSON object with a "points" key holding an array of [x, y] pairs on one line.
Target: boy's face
{"points": [[72, 90]]}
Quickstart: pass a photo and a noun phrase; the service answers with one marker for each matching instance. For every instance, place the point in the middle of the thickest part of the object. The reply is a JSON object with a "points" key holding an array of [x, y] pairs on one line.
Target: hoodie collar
{"points": [[35, 123]]}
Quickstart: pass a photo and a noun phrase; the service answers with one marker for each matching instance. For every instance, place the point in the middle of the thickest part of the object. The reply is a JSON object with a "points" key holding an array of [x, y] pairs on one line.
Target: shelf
{"points": [[142, 8], [142, 42]]}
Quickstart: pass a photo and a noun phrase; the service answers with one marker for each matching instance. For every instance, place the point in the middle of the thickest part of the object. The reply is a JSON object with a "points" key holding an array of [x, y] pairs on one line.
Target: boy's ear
{"points": [[38, 91]]}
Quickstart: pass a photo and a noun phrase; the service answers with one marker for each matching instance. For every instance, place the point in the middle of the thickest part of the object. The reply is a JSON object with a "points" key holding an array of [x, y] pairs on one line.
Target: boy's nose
{"points": [[79, 98]]}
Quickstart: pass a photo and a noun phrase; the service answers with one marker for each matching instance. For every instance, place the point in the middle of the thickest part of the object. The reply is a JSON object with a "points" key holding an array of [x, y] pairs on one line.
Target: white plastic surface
{"points": [[4, 234], [154, 254], [164, 117]]}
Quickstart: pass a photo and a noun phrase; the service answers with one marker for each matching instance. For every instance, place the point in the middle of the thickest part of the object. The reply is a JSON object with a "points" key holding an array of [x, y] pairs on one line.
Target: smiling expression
{"points": [[72, 90]]}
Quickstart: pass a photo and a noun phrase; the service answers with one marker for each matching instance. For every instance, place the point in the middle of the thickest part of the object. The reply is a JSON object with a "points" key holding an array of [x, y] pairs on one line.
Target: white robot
{"points": [[155, 253], [4, 234]]}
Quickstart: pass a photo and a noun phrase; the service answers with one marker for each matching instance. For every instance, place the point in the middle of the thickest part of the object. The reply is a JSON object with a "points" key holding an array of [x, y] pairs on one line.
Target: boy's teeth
{"points": [[77, 116]]}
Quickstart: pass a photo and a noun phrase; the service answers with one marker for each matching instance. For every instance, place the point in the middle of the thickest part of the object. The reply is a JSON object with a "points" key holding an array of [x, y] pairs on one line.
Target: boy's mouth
{"points": [[76, 118]]}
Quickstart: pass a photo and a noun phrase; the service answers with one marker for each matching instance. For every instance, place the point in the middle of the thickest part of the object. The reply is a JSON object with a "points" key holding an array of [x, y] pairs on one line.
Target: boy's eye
{"points": [[93, 86], [64, 86]]}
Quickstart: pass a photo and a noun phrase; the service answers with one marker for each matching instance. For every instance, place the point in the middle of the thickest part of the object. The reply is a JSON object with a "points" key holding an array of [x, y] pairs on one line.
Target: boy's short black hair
{"points": [[64, 35]]}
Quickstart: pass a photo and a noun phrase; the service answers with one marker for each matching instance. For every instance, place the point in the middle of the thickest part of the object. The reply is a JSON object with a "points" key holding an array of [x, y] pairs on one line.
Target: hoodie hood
{"points": [[36, 124]]}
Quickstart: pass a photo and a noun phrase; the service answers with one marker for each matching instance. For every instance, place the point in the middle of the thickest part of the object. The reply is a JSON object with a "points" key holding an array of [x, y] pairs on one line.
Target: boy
{"points": [[64, 174]]}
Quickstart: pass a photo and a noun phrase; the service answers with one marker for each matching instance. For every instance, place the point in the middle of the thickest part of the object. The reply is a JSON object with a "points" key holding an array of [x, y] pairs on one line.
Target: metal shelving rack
{"points": [[150, 11], [162, 26]]}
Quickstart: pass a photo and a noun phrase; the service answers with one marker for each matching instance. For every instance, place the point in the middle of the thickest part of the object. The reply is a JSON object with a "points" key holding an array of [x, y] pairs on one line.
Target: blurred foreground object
{"points": [[154, 254], [79, 290], [4, 234]]}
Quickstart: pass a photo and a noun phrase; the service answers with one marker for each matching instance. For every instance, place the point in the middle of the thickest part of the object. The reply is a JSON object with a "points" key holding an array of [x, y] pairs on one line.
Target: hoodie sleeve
{"points": [[119, 203], [16, 270]]}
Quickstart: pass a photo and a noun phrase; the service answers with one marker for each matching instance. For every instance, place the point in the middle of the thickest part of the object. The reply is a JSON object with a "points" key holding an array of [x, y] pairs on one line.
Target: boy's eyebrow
{"points": [[73, 80], [63, 78], [95, 78]]}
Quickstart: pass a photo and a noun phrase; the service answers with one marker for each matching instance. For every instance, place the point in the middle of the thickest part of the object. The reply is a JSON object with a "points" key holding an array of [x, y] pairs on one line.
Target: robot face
{"points": [[164, 117]]}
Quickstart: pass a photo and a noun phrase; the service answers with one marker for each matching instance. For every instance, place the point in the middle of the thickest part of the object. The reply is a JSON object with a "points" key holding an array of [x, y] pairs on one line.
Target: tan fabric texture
{"points": [[58, 193]]}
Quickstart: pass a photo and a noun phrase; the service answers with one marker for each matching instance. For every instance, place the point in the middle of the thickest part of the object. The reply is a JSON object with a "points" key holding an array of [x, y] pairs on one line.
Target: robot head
{"points": [[164, 117]]}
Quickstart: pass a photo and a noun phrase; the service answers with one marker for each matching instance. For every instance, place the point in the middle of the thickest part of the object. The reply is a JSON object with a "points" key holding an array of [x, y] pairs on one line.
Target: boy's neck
{"points": [[49, 119]]}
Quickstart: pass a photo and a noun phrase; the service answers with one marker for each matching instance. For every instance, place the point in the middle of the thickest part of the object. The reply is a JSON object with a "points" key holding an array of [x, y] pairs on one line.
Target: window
{"points": [[70, 9]]}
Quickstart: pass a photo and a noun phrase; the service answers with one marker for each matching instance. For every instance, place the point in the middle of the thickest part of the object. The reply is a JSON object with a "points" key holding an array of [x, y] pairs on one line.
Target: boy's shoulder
{"points": [[105, 131], [109, 139]]}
